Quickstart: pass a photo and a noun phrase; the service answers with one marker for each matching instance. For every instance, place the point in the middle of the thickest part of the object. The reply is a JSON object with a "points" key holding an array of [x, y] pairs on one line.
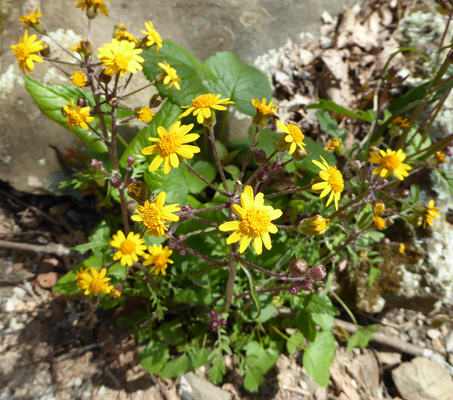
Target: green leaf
{"points": [[217, 370], [97, 241], [154, 357], [331, 106], [413, 96], [295, 340], [205, 169], [362, 337], [67, 284], [188, 67], [305, 323], [175, 368], [315, 150], [328, 124], [319, 303], [198, 357], [171, 334], [374, 274], [237, 80], [252, 288], [319, 356], [233, 170], [258, 361], [51, 99], [117, 272], [325, 321]]}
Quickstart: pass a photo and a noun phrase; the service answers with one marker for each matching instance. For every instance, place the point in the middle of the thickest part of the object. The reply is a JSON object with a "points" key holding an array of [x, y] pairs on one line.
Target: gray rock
{"points": [[423, 379], [248, 28], [192, 387]]}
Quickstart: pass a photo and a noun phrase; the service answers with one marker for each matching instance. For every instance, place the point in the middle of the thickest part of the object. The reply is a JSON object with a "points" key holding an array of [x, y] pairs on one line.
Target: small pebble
{"points": [[77, 382], [433, 334], [19, 292], [102, 391]]}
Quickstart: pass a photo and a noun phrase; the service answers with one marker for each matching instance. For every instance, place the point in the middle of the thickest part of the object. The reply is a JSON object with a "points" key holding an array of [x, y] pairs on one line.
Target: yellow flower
{"points": [[120, 56], [440, 157], [25, 52], [255, 222], [316, 225], [152, 36], [145, 114], [154, 215], [81, 274], [379, 222], [263, 112], [77, 117], [401, 122], [379, 207], [171, 77], [401, 248], [294, 136], [121, 33], [31, 19], [430, 214], [333, 144], [390, 161], [363, 254], [95, 282], [171, 146], [115, 293], [333, 182], [159, 257], [128, 248], [93, 6], [203, 106], [76, 47], [79, 79]]}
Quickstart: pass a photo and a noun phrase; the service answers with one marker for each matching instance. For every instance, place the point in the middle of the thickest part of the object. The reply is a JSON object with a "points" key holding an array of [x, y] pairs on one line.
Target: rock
{"points": [[47, 280], [449, 343], [388, 359], [77, 382], [423, 379], [200, 389]]}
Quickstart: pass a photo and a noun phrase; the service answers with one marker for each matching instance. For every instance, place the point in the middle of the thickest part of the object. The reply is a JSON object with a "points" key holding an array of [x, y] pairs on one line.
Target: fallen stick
{"points": [[53, 248]]}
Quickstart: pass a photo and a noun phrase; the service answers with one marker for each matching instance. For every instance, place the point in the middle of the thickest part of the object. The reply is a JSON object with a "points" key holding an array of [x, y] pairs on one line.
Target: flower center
{"points": [[256, 222], [160, 260], [128, 247], [22, 52], [96, 286], [121, 61], [204, 100], [335, 180], [390, 162], [152, 216], [296, 133], [169, 143], [74, 118]]}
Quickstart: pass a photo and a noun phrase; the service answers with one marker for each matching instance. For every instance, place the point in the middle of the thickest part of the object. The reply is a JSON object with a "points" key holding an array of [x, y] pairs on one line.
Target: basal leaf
{"points": [[328, 124], [154, 357], [319, 356], [175, 368], [198, 357], [362, 337], [331, 106], [294, 341], [217, 370], [67, 284]]}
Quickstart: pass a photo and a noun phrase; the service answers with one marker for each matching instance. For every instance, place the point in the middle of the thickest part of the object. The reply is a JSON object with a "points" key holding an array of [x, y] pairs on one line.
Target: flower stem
{"points": [[217, 158], [204, 180], [232, 265]]}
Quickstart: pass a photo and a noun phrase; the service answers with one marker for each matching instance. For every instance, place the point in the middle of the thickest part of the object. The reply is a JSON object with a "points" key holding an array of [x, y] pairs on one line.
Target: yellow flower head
{"points": [[79, 79], [401, 248], [430, 214], [401, 122], [255, 222], [440, 157], [81, 274], [92, 7], [293, 136], [159, 257], [115, 293], [379, 222], [76, 47], [95, 282], [120, 56], [333, 144], [390, 161], [31, 19], [77, 116], [379, 207], [152, 36], [145, 114], [121, 33], [170, 77], [204, 106], [155, 214], [171, 146], [316, 225], [263, 112], [333, 182], [128, 248], [25, 52], [363, 254]]}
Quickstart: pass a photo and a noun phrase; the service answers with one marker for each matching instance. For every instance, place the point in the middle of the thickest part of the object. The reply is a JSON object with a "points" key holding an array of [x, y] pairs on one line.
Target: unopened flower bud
{"points": [[223, 321], [262, 176], [214, 325], [182, 252], [450, 56], [299, 154], [399, 79], [95, 163], [45, 52], [113, 102], [306, 285], [104, 78], [116, 292], [155, 101], [130, 206], [82, 102], [294, 289], [405, 193], [298, 267], [415, 220], [130, 160], [86, 47], [187, 208], [259, 156], [356, 164], [213, 315], [282, 144], [317, 273], [314, 226], [115, 181]]}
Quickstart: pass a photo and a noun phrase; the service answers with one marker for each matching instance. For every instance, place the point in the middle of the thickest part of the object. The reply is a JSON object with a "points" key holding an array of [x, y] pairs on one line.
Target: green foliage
{"points": [[319, 356], [154, 357], [258, 361], [362, 337]]}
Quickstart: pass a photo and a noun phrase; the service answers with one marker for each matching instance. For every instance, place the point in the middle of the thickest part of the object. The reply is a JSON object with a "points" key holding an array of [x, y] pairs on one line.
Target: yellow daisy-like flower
{"points": [[120, 56], [333, 144], [145, 114], [379, 222], [115, 293], [76, 47], [152, 36], [79, 79], [95, 282], [390, 161], [154, 215], [159, 257], [401, 248], [121, 33], [81, 274], [401, 122], [333, 182], [128, 248], [31, 19], [171, 77], [171, 146], [440, 157], [204, 106], [264, 110], [316, 225], [93, 6], [294, 136], [430, 214], [379, 207], [25, 52], [363, 254], [255, 222], [77, 116]]}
